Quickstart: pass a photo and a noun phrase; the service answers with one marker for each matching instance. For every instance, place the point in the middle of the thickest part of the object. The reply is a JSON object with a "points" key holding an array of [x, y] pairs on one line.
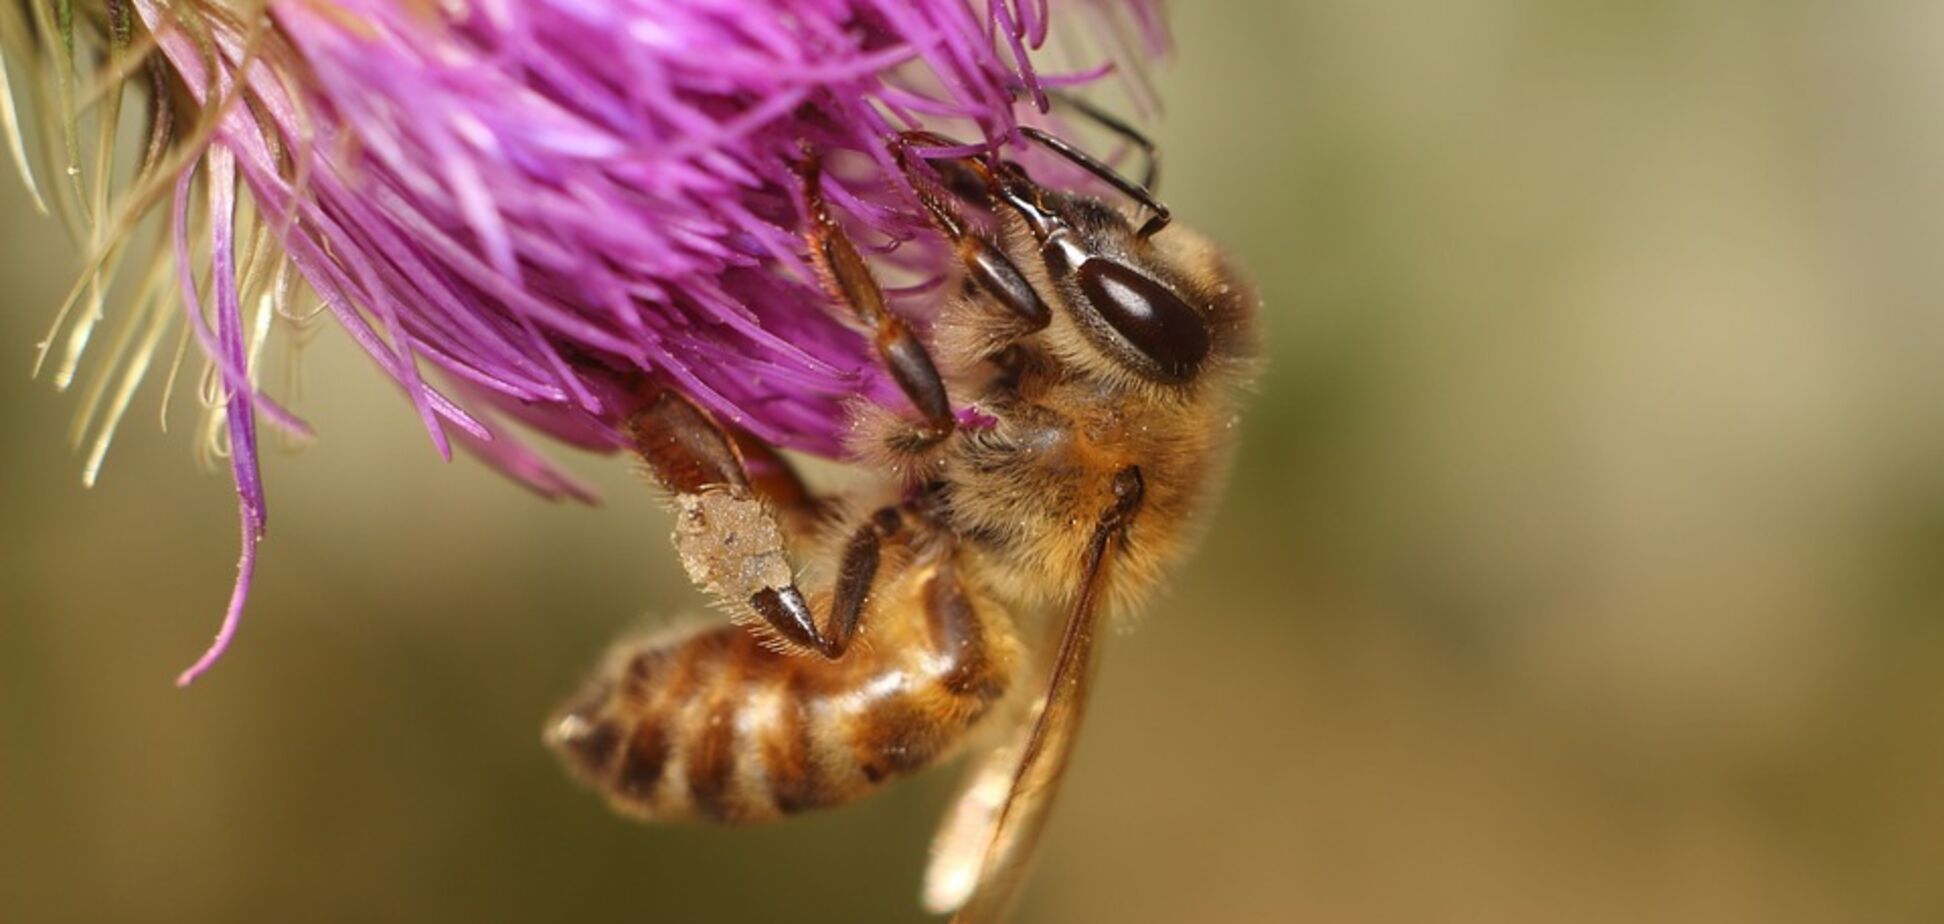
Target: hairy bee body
{"points": [[1104, 358], [720, 726], [736, 725], [1026, 492]]}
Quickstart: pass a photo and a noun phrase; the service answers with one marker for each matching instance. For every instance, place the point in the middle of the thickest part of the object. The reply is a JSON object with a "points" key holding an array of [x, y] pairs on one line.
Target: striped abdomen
{"points": [[717, 726]]}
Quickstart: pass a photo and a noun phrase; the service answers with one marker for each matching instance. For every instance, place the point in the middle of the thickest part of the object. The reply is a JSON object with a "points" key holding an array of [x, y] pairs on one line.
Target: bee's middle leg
{"points": [[857, 572]]}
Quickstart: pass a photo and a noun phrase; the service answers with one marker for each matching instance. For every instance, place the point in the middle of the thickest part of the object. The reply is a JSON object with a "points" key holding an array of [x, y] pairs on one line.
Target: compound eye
{"points": [[1152, 320]]}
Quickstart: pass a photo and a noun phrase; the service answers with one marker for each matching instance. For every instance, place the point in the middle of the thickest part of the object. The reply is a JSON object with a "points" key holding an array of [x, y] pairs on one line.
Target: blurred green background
{"points": [[1585, 561]]}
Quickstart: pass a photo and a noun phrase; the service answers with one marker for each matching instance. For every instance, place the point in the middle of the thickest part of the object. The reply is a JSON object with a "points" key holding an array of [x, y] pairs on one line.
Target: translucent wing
{"points": [[981, 855], [959, 850]]}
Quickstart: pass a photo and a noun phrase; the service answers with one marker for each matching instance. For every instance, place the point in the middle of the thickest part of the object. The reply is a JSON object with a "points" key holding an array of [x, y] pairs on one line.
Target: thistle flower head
{"points": [[520, 209]]}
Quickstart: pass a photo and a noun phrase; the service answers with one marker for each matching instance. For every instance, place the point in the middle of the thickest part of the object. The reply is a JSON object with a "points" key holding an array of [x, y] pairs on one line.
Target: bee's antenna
{"points": [[1139, 193], [1151, 173]]}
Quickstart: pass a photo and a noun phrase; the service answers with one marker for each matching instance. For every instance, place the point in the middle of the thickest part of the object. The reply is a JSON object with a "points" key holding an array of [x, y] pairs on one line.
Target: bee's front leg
{"points": [[849, 279], [987, 267]]}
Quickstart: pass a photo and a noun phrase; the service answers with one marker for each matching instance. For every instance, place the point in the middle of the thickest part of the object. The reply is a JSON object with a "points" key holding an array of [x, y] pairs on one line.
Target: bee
{"points": [[1107, 356]]}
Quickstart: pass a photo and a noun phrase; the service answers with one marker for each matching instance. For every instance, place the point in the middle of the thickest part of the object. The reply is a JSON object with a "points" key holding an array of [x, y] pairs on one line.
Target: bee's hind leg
{"points": [[735, 498], [688, 451], [737, 503]]}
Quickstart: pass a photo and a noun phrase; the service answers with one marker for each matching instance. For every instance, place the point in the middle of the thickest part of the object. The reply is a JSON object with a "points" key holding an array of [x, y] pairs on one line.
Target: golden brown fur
{"points": [[1027, 492]]}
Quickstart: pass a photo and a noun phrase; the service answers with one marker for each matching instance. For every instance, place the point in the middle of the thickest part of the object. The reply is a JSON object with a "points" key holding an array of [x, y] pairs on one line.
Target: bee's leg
{"points": [[857, 572], [773, 479], [727, 530], [688, 451], [986, 266], [848, 278]]}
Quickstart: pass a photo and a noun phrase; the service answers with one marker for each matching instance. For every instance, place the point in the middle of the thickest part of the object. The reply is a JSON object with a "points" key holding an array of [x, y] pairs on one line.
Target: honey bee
{"points": [[1107, 356]]}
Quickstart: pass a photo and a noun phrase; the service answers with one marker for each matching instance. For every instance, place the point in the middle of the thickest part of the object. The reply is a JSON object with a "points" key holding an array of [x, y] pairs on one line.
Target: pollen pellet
{"points": [[729, 543]]}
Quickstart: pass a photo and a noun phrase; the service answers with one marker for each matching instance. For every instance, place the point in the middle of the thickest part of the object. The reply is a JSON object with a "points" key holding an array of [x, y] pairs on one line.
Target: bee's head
{"points": [[1156, 301]]}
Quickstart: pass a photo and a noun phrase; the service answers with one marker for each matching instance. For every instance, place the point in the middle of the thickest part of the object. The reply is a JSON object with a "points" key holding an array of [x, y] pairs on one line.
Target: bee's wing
{"points": [[960, 847], [980, 856]]}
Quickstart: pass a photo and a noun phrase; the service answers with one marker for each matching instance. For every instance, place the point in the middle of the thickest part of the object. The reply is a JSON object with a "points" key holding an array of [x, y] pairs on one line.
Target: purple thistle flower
{"points": [[521, 209]]}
